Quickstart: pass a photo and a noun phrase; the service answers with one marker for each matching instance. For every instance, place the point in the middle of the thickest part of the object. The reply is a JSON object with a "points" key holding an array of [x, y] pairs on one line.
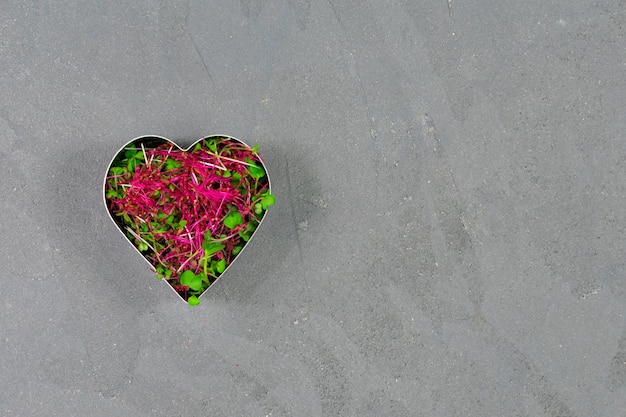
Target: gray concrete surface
{"points": [[449, 233]]}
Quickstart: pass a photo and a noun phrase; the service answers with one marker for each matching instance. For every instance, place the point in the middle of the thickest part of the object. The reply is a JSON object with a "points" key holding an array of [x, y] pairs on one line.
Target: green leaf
{"points": [[193, 300], [268, 201], [186, 277], [126, 218], [182, 224], [212, 145], [233, 220], [256, 171], [162, 272], [237, 249], [220, 266], [245, 236], [117, 170], [191, 280], [196, 284], [211, 248], [172, 164]]}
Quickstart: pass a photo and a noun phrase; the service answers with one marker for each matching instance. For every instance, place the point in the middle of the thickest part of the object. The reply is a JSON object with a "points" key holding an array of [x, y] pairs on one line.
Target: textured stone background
{"points": [[449, 233]]}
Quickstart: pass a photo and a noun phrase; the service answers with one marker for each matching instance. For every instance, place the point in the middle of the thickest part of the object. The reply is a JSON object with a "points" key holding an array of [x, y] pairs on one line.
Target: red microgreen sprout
{"points": [[189, 213]]}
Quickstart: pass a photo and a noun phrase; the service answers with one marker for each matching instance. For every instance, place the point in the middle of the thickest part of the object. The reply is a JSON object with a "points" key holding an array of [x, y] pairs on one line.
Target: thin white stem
{"points": [[190, 237], [212, 165], [235, 160], [145, 158]]}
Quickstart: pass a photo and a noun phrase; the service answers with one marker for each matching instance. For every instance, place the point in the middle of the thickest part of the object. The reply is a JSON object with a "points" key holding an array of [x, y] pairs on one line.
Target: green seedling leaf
{"points": [[171, 164], [212, 145], [196, 284], [256, 171], [244, 235], [162, 272], [220, 266], [191, 280], [211, 248], [126, 218], [193, 300], [268, 201], [117, 170], [237, 249], [236, 179], [186, 277], [233, 220]]}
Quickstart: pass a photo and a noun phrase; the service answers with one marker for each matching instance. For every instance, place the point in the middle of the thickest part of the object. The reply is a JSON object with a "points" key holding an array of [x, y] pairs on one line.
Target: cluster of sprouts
{"points": [[189, 213]]}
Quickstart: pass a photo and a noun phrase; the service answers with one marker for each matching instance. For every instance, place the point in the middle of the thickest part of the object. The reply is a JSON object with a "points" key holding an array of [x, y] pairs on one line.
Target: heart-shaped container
{"points": [[149, 142]]}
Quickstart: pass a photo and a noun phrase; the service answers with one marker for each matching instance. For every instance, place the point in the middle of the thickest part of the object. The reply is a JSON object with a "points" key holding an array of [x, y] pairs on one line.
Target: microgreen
{"points": [[189, 213], [193, 300], [233, 219]]}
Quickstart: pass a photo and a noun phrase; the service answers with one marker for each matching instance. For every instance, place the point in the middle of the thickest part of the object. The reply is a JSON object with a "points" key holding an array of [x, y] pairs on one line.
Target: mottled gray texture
{"points": [[449, 233]]}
